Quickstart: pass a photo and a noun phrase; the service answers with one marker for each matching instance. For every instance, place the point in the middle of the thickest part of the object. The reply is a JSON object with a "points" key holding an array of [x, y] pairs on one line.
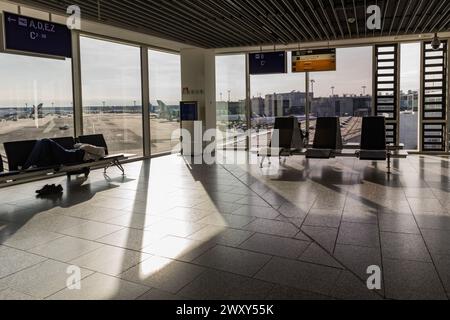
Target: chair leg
{"points": [[119, 166], [261, 164], [389, 160]]}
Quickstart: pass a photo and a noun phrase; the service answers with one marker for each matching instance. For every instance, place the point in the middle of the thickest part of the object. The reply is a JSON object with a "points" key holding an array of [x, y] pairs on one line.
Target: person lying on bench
{"points": [[48, 153]]}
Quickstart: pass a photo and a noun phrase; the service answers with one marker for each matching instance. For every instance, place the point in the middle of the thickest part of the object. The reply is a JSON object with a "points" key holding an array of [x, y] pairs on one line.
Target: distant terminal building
{"points": [[285, 104], [342, 106], [409, 101]]}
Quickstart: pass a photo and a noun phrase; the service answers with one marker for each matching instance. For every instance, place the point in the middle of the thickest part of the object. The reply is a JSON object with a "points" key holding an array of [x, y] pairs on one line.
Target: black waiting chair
{"points": [[373, 139], [65, 142], [327, 139], [97, 140], [286, 139], [18, 153], [4, 174]]}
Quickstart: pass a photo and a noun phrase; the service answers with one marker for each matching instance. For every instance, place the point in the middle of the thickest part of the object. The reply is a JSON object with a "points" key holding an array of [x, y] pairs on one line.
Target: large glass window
{"points": [[272, 96], [35, 98], [231, 96], [409, 95], [345, 93], [165, 96], [111, 84]]}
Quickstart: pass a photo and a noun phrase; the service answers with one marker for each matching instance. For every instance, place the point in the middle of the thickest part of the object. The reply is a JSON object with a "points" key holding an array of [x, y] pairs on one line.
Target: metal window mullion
{"points": [[77, 91], [248, 103], [374, 80], [145, 87], [397, 89], [447, 110], [422, 98]]}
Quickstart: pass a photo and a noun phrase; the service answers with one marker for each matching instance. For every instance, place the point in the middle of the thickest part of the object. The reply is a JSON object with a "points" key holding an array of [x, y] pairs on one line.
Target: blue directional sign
{"points": [[268, 62], [36, 36]]}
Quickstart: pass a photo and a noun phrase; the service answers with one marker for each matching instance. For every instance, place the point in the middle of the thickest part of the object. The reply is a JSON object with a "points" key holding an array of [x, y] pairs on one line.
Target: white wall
{"points": [[198, 79]]}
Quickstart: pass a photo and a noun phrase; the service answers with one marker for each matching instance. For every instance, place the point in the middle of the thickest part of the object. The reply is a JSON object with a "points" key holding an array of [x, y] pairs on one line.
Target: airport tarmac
{"points": [[123, 132]]}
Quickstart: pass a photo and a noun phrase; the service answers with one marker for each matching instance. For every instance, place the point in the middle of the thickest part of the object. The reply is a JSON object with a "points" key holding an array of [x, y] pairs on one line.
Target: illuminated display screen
{"points": [[36, 36], [268, 62], [314, 60]]}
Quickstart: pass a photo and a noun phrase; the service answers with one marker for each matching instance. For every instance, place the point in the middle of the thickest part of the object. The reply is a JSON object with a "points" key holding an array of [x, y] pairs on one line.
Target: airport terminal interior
{"points": [[252, 150]]}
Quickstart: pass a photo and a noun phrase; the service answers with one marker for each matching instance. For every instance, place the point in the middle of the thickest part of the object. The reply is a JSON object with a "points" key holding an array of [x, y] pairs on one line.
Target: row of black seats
{"points": [[328, 139], [18, 152]]}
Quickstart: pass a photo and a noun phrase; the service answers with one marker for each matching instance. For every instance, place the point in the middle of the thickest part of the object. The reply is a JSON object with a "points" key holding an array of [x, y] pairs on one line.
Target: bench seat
{"points": [[18, 152]]}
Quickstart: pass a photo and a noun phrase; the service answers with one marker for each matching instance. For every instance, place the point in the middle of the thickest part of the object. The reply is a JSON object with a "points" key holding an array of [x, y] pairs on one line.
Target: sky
{"points": [[354, 70], [111, 73]]}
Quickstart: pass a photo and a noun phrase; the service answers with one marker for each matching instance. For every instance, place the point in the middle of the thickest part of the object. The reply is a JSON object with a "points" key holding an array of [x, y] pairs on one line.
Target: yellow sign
{"points": [[314, 60]]}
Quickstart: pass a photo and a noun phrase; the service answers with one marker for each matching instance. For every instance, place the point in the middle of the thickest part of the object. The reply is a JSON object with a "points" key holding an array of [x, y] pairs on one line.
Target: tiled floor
{"points": [[171, 230]]}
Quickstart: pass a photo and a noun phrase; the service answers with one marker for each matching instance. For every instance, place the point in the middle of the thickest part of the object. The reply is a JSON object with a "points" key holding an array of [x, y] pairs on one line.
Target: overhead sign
{"points": [[36, 36], [314, 60], [268, 62]]}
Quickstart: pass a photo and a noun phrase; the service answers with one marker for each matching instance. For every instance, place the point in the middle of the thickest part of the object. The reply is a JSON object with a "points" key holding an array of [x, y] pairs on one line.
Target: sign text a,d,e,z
{"points": [[41, 26]]}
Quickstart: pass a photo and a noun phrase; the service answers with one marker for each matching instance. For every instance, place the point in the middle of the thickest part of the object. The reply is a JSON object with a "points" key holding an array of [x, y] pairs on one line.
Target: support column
{"points": [[198, 79]]}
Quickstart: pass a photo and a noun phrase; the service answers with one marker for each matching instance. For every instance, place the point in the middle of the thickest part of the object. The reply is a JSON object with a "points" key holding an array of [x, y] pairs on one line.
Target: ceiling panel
{"points": [[234, 23]]}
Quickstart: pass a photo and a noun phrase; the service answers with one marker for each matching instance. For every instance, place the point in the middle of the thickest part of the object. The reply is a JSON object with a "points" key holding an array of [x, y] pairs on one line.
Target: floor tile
{"points": [[177, 248], [91, 230], [364, 235], [110, 260], [349, 287], [404, 247], [13, 261], [227, 220], [42, 280], [437, 241], [132, 239], [411, 280], [222, 235], [135, 220], [317, 255], [176, 227], [323, 218], [155, 294], [433, 221], [12, 295], [29, 238], [442, 264], [326, 237], [284, 293], [164, 274], [66, 248], [232, 260], [218, 285], [258, 212], [398, 223], [276, 246], [102, 287], [358, 259], [301, 275], [273, 227]]}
